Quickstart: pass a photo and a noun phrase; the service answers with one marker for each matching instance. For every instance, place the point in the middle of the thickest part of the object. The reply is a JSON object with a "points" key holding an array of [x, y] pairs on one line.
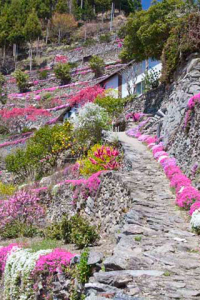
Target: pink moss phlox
{"points": [[187, 197], [23, 207], [20, 141], [169, 162], [85, 186], [136, 117], [163, 158], [143, 138], [61, 59], [30, 113], [158, 149], [151, 140], [53, 262], [194, 206], [179, 180], [4, 252], [160, 153], [171, 170], [150, 146]]}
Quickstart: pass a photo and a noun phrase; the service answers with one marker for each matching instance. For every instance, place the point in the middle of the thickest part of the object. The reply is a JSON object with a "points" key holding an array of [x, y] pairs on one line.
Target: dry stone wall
{"points": [[105, 209]]}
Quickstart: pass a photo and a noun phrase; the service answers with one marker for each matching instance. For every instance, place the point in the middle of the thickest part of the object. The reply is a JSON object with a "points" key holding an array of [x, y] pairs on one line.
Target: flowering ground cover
{"points": [[26, 273], [187, 196]]}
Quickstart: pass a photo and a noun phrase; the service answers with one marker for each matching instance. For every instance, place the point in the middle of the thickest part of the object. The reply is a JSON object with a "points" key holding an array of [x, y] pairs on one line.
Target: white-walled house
{"points": [[129, 79]]}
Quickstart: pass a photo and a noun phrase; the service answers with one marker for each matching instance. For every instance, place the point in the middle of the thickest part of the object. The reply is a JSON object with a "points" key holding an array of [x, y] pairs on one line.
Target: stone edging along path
{"points": [[156, 255]]}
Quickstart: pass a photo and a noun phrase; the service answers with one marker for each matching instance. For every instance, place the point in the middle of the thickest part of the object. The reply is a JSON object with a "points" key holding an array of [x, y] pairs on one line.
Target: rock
{"points": [[95, 257], [100, 287], [132, 229], [117, 279]]}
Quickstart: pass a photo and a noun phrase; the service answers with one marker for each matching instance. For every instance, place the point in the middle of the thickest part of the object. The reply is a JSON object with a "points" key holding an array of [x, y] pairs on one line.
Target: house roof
{"points": [[115, 72]]}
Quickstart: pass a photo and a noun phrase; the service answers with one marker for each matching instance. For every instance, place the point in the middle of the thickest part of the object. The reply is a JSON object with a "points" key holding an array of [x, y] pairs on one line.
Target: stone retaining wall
{"points": [[105, 209]]}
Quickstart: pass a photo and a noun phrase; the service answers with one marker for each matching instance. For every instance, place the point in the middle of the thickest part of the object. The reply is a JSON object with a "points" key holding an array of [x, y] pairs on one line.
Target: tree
{"points": [[62, 25], [62, 7], [148, 31], [32, 31], [131, 5]]}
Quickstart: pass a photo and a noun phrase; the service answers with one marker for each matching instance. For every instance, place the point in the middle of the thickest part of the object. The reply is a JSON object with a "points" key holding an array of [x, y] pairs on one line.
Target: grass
{"points": [[44, 245], [167, 273], [138, 238]]}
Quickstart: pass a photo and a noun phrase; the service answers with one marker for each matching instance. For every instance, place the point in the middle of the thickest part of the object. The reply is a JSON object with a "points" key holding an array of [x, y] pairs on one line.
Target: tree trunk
{"points": [[85, 31], [47, 32], [15, 54], [70, 6], [4, 53], [31, 56], [59, 36], [37, 49], [81, 4], [111, 16]]}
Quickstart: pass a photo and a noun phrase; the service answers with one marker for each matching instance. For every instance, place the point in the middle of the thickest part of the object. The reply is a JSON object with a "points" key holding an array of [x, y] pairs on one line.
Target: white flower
{"points": [[195, 220], [89, 113], [19, 265], [162, 157]]}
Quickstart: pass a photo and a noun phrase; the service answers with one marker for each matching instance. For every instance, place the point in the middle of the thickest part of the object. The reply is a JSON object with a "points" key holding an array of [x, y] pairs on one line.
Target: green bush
{"points": [[84, 270], [151, 79], [114, 106], [45, 144], [82, 234], [22, 80], [90, 122], [62, 72], [105, 38], [16, 230], [89, 42], [43, 74], [75, 230], [7, 189], [97, 65], [2, 79], [180, 44]]}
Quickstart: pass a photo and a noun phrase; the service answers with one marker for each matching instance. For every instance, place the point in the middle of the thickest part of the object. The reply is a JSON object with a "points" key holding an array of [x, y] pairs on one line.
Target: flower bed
{"points": [[27, 273], [187, 196]]}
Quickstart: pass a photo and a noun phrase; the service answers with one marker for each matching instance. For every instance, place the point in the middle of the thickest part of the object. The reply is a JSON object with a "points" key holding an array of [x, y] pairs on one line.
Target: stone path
{"points": [[156, 255]]}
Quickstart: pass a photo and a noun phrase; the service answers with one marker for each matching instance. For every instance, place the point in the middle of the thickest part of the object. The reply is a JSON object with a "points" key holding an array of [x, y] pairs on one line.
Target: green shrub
{"points": [[90, 122], [97, 65], [43, 74], [151, 79], [89, 42], [2, 79], [82, 234], [84, 270], [44, 145], [105, 38], [22, 80], [62, 72], [75, 230], [7, 189], [16, 230], [114, 106]]}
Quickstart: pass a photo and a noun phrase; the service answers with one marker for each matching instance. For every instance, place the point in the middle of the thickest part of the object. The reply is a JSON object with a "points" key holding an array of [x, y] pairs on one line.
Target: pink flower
{"points": [[4, 252], [187, 197], [194, 206], [53, 262]]}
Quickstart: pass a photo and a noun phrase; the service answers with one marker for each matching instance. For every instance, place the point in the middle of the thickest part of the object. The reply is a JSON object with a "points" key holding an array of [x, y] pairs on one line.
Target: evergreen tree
{"points": [[62, 7], [32, 31]]}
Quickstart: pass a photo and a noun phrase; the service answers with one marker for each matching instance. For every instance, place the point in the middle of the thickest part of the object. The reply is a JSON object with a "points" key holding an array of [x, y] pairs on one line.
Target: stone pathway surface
{"points": [[156, 255]]}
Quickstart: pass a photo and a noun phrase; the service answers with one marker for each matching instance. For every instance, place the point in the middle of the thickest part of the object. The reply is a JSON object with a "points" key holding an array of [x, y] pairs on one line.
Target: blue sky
{"points": [[146, 3]]}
